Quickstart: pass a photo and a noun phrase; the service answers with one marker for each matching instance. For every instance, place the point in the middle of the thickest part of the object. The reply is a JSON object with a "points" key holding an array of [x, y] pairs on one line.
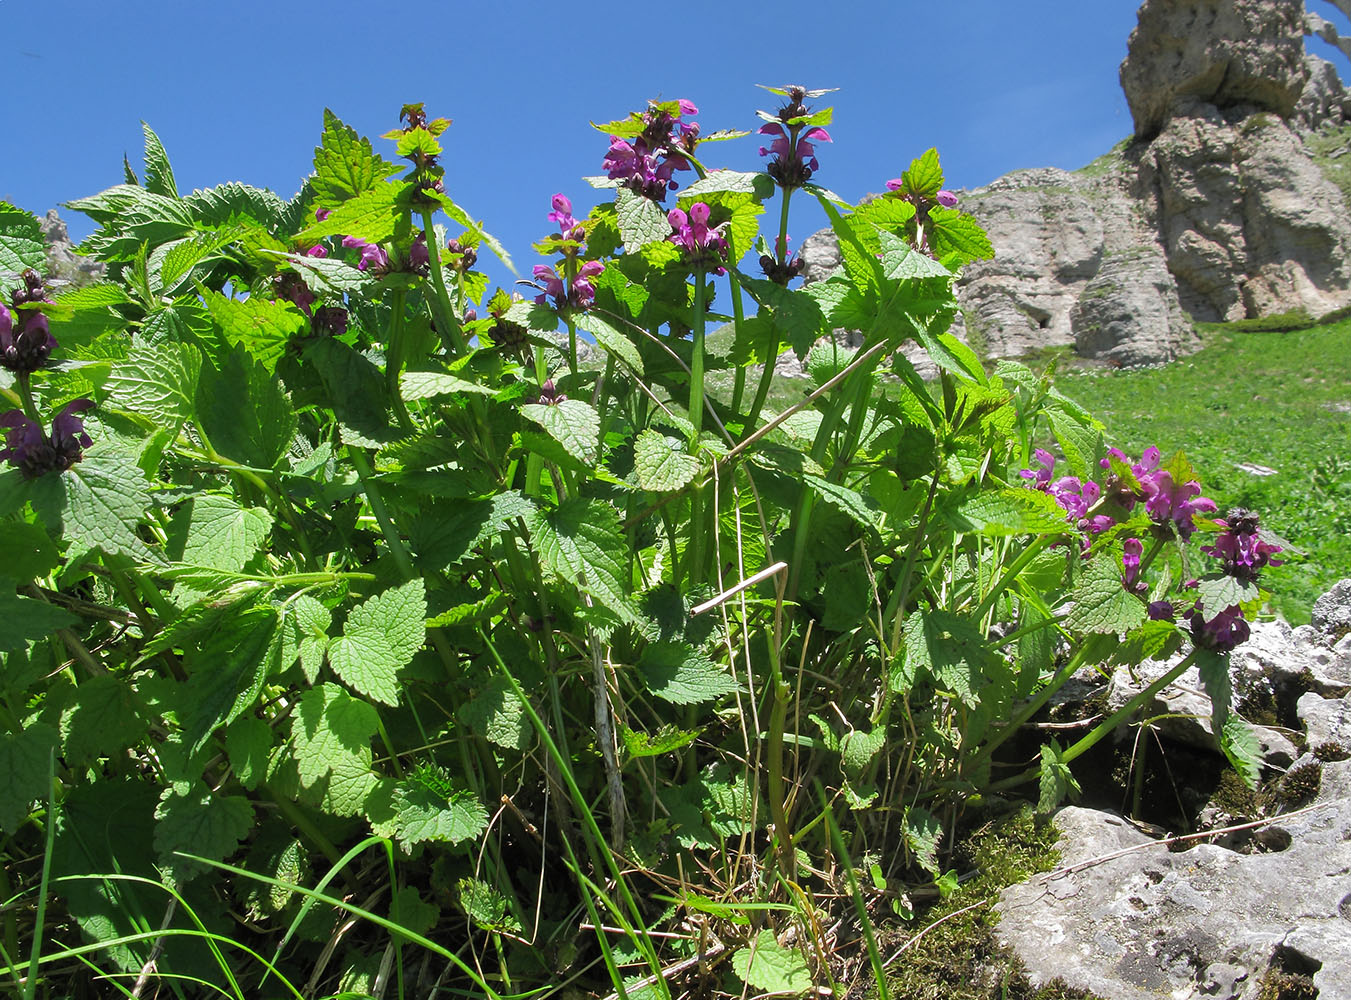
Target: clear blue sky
{"points": [[236, 90]]}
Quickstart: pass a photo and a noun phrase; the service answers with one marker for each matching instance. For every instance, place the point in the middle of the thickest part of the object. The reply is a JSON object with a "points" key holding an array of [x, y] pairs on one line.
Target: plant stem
{"points": [[394, 362], [447, 322], [772, 360]]}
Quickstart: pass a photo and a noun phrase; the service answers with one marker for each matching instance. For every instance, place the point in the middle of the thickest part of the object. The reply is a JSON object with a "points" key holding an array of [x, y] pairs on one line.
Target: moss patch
{"points": [[960, 959]]}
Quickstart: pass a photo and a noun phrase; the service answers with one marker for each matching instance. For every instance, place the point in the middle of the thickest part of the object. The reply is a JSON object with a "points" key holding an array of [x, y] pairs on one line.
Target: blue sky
{"points": [[236, 91]]}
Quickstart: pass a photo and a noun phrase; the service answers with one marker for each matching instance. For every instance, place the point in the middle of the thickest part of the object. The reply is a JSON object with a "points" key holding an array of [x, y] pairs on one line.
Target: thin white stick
{"points": [[750, 581]]}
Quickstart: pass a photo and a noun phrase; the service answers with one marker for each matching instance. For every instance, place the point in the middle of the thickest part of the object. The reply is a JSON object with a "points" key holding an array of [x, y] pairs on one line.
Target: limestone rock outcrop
{"points": [[62, 261], [1131, 917], [1216, 209]]}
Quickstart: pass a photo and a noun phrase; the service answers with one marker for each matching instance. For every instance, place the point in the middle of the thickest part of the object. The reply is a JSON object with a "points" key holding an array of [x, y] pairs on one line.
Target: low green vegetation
{"points": [[1267, 415]]}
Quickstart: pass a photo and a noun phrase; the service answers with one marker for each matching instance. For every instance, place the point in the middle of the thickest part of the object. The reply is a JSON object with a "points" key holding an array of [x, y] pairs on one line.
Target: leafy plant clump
{"points": [[356, 638]]}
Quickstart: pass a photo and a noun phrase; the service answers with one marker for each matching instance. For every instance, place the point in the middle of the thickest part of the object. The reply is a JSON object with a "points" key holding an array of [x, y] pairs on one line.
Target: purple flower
{"points": [[946, 198], [320, 214], [28, 349], [292, 288], [318, 250], [1042, 474], [1131, 551], [33, 453], [418, 259], [1177, 502], [647, 164], [372, 255], [548, 395], [582, 294], [704, 245], [1240, 546], [794, 152], [1222, 632], [330, 320], [1161, 611]]}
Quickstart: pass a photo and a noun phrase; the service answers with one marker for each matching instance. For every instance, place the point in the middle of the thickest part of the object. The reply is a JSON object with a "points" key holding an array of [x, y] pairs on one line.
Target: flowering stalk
{"points": [[772, 361], [445, 316]]}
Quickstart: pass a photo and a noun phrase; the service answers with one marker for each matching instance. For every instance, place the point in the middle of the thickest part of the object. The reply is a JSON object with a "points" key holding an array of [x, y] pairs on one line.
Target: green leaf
{"points": [[345, 165], [573, 423], [21, 246], [157, 382], [262, 326], [97, 504], [1078, 440], [306, 625], [356, 391], [28, 554], [159, 176], [329, 277], [582, 542], [228, 672], [1056, 780], [1241, 747], [487, 907], [661, 463], [613, 341], [1008, 512], [232, 203], [498, 715], [331, 730], [1101, 603], [175, 261], [665, 740], [25, 772], [769, 967], [679, 673], [379, 638], [923, 833], [447, 532], [1213, 669], [248, 742], [952, 231], [641, 220], [245, 412], [373, 216], [1151, 641], [1219, 591], [214, 531], [950, 649], [430, 385], [201, 823], [431, 808], [104, 719], [925, 176], [851, 503], [858, 748]]}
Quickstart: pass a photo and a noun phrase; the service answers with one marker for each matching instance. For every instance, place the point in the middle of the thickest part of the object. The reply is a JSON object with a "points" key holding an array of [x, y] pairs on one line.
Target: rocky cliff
{"points": [[1217, 208]]}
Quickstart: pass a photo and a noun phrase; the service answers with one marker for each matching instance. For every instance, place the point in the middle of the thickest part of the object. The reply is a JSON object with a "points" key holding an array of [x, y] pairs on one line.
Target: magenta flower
{"points": [[582, 294], [419, 260], [318, 250], [794, 152], [1131, 551], [320, 214], [946, 198], [1222, 632], [1176, 502], [33, 453], [647, 164], [372, 255], [1240, 546], [1041, 475], [28, 348], [704, 245]]}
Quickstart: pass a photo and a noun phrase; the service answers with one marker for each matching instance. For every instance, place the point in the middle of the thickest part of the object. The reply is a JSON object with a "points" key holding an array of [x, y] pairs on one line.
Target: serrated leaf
{"points": [[1219, 591], [28, 551], [159, 176], [769, 967], [1101, 602], [430, 385], [948, 648], [1008, 512], [849, 502], [424, 814], [447, 532], [229, 669], [26, 769], [661, 464], [233, 202], [379, 639], [104, 719], [679, 673], [345, 165], [1056, 781], [201, 823], [21, 246], [372, 215], [245, 411], [923, 833], [218, 533], [641, 220], [264, 328], [573, 423], [858, 748], [157, 382], [952, 231], [925, 176], [306, 625], [177, 260], [757, 184], [329, 277], [331, 730], [665, 740], [96, 504], [248, 743], [582, 542], [1241, 747], [487, 907], [497, 714], [613, 341], [356, 390]]}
